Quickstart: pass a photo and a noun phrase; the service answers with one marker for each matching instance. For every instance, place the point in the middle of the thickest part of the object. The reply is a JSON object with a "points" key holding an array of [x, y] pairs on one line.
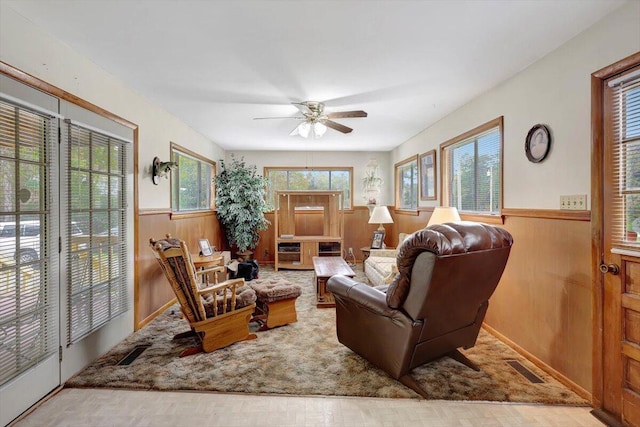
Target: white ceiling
{"points": [[218, 64]]}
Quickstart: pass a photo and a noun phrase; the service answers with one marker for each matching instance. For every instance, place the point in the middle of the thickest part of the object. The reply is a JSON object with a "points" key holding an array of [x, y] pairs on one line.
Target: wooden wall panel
{"points": [[543, 302], [408, 223], [542, 305], [153, 291]]}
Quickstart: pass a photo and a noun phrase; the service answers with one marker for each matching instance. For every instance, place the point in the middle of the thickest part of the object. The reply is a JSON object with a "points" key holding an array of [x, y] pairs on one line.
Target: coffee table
{"points": [[325, 267]]}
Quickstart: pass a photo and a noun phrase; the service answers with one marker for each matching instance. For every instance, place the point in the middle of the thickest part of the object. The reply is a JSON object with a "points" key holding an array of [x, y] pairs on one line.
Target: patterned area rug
{"points": [[305, 358]]}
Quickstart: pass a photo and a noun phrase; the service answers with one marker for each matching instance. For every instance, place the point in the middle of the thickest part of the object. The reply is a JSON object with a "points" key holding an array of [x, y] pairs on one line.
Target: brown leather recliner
{"points": [[435, 304]]}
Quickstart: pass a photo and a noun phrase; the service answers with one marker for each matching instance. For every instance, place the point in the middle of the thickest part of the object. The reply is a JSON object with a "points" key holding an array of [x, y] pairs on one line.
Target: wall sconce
{"points": [[161, 169]]}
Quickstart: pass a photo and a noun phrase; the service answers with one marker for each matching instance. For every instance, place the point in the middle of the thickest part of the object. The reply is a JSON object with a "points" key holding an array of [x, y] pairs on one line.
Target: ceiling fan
{"points": [[314, 121]]}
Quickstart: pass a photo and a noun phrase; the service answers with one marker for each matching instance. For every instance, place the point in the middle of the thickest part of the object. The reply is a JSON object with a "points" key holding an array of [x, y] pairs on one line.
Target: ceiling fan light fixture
{"points": [[319, 129], [314, 122], [304, 128]]}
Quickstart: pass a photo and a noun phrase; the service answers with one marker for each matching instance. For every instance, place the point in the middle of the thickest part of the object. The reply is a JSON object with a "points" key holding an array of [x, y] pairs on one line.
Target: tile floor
{"points": [[121, 408]]}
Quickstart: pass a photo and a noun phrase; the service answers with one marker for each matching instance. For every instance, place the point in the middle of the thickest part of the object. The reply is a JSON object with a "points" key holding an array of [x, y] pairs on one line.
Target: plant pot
{"points": [[632, 236], [246, 255]]}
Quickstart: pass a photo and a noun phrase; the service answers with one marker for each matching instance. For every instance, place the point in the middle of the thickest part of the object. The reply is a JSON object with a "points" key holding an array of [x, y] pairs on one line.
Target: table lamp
{"points": [[442, 214], [380, 215]]}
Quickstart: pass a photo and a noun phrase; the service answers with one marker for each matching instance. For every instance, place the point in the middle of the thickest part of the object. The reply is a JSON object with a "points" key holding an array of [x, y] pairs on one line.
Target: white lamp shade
{"points": [[380, 215], [442, 214]]}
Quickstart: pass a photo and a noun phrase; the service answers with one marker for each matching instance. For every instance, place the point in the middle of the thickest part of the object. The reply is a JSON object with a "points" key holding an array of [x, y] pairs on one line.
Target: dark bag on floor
{"points": [[248, 270]]}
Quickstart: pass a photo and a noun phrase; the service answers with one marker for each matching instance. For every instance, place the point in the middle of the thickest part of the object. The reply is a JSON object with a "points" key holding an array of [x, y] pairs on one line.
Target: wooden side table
{"points": [[324, 268], [202, 262], [366, 251]]}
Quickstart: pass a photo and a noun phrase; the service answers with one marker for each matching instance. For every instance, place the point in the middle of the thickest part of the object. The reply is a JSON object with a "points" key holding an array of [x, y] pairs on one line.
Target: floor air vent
{"points": [[525, 372], [133, 354]]}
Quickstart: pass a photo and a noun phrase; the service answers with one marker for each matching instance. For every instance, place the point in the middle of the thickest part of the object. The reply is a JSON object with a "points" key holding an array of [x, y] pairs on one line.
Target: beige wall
{"points": [[357, 160], [543, 302], [555, 91], [28, 48]]}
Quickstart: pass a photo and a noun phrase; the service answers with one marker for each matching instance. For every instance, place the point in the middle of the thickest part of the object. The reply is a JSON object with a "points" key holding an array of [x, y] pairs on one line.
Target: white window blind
{"points": [[626, 161], [473, 173], [28, 237], [96, 230]]}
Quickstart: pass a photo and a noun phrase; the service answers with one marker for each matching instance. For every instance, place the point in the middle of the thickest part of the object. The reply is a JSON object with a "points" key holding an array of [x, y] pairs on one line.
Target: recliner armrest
{"points": [[343, 287]]}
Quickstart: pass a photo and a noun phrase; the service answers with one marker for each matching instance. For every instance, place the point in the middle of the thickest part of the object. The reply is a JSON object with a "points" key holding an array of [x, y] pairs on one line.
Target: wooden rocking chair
{"points": [[219, 313]]}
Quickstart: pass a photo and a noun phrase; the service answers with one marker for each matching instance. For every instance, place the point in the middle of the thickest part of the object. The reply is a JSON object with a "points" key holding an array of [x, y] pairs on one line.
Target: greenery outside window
{"points": [[303, 179], [406, 189], [191, 183], [472, 170]]}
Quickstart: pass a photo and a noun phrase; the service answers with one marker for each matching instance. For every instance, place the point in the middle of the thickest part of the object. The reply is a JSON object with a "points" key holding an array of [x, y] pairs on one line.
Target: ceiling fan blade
{"points": [[337, 126], [304, 109], [345, 114], [268, 118]]}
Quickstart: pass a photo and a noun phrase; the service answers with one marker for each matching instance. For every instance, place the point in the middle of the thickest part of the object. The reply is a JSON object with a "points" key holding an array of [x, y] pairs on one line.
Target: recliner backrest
{"points": [[447, 271]]}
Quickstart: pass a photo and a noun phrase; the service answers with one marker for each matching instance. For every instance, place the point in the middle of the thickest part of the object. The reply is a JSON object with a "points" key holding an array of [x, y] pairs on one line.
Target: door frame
{"points": [[597, 208]]}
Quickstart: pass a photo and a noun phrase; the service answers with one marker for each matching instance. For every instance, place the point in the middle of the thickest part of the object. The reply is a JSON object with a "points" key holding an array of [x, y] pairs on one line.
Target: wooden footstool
{"points": [[276, 304]]}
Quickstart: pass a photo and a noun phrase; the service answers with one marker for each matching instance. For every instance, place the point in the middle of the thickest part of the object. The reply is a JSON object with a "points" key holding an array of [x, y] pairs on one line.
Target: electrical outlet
{"points": [[351, 252], [576, 202]]}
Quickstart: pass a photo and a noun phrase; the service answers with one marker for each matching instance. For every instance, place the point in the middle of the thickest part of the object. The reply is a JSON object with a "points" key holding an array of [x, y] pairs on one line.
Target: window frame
{"points": [[349, 169], [176, 149], [97, 265], [445, 168], [625, 144], [396, 174]]}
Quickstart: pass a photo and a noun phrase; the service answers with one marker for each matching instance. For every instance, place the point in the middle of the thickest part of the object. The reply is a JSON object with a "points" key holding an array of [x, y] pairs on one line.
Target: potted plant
{"points": [[371, 183], [241, 204]]}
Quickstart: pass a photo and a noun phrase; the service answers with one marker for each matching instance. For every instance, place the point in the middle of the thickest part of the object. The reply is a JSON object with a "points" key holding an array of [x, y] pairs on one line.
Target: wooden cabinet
{"points": [[295, 251]]}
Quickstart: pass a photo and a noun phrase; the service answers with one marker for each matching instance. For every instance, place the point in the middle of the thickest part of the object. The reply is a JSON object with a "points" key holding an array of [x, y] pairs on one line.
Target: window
{"points": [[625, 95], [28, 267], [192, 182], [303, 179], [406, 173], [97, 257], [472, 170]]}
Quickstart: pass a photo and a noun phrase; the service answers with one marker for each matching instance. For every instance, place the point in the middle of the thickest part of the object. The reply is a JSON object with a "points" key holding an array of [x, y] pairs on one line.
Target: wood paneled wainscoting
{"points": [[153, 293], [542, 306]]}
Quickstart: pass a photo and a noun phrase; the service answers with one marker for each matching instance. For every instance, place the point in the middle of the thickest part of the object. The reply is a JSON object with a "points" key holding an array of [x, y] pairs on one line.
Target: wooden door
{"points": [[620, 256]]}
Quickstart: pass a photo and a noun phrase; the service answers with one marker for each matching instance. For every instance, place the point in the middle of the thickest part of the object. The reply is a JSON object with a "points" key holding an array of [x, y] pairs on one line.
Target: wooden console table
{"points": [[325, 267]]}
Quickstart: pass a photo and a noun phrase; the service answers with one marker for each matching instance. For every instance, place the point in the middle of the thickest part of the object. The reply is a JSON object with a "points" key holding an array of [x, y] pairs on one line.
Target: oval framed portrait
{"points": [[538, 143]]}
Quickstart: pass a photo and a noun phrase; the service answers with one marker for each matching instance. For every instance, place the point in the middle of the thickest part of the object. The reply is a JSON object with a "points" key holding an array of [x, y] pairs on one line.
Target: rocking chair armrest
{"points": [[223, 285]]}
